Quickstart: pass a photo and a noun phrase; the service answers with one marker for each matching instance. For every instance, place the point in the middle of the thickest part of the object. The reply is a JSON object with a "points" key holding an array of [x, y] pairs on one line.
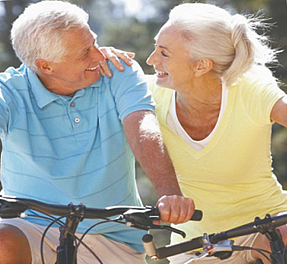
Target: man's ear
{"points": [[203, 66], [43, 66]]}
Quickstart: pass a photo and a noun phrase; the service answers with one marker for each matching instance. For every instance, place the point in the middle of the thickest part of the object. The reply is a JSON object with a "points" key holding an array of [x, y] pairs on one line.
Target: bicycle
{"points": [[137, 217], [221, 246]]}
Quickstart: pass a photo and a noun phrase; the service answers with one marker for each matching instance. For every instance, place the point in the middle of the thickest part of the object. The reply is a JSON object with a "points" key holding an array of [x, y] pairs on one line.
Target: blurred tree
{"points": [[11, 9]]}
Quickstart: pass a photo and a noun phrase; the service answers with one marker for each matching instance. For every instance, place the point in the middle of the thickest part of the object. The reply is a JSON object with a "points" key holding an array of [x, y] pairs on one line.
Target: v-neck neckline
{"points": [[220, 126]]}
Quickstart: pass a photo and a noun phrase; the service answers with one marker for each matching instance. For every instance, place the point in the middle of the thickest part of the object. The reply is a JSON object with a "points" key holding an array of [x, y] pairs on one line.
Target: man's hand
{"points": [[175, 209], [113, 55]]}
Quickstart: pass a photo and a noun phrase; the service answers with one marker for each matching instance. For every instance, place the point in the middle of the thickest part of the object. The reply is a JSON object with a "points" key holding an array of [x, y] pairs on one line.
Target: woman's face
{"points": [[171, 59]]}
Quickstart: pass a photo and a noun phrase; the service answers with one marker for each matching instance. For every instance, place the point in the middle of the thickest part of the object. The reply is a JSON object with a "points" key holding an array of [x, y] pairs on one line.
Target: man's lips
{"points": [[93, 68]]}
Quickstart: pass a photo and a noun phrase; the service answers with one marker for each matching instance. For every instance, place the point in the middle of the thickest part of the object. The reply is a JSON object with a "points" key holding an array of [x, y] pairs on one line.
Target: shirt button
{"points": [[77, 120], [72, 104]]}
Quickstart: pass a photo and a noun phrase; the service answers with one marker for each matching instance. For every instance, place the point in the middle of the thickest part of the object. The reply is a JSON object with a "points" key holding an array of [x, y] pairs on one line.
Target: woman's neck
{"points": [[198, 110], [201, 96]]}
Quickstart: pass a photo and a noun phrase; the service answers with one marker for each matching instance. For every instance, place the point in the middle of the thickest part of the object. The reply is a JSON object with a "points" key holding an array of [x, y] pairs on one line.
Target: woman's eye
{"points": [[163, 54]]}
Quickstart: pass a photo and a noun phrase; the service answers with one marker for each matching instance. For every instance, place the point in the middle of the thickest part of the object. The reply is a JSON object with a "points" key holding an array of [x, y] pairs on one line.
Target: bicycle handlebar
{"points": [[139, 217], [253, 227], [13, 207]]}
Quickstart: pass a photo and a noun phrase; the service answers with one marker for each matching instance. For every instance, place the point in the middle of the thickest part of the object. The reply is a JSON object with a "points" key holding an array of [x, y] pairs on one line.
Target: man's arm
{"points": [[144, 136]]}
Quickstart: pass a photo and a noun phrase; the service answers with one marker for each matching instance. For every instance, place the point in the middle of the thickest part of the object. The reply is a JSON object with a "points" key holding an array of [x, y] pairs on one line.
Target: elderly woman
{"points": [[216, 119]]}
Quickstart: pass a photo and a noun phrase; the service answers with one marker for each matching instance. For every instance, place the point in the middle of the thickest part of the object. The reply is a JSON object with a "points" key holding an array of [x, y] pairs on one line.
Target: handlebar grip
{"points": [[197, 215], [172, 250]]}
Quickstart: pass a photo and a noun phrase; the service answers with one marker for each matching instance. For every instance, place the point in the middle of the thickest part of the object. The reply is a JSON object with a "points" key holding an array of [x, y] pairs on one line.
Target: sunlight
{"points": [[132, 6]]}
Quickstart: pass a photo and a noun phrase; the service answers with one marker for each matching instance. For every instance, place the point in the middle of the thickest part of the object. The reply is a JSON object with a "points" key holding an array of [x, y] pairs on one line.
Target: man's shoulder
{"points": [[14, 77]]}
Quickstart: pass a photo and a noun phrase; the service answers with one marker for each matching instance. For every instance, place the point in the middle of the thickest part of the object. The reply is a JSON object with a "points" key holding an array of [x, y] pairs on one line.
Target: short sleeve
{"points": [[130, 90], [8, 105], [259, 95]]}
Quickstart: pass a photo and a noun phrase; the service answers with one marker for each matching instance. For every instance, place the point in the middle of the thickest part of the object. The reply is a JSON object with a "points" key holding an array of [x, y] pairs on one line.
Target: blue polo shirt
{"points": [[60, 149]]}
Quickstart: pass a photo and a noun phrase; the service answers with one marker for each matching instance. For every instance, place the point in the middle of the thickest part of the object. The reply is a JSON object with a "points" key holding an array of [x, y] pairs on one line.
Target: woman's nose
{"points": [[151, 59]]}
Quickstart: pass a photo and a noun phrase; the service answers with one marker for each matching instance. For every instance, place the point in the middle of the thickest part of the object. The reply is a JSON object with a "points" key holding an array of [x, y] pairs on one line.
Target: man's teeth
{"points": [[92, 69]]}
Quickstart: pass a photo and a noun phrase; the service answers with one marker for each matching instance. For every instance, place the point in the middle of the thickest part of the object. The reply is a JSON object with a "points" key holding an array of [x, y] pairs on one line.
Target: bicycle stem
{"points": [[66, 251]]}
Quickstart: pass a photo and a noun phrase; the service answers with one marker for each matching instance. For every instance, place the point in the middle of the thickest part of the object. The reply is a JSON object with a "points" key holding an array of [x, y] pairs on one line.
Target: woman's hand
{"points": [[113, 55]]}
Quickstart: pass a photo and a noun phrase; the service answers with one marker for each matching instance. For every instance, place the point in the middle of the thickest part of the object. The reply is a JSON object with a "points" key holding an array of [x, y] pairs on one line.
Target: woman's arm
{"points": [[279, 112], [113, 55]]}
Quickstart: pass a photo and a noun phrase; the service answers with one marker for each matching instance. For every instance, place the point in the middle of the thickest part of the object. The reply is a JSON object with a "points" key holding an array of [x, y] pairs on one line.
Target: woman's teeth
{"points": [[161, 73]]}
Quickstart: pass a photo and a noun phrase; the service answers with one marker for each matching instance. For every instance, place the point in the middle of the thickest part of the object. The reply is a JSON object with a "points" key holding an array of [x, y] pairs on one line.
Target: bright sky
{"points": [[132, 6]]}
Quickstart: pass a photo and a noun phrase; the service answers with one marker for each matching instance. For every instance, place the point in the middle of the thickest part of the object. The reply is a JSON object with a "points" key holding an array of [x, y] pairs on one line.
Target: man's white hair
{"points": [[37, 32]]}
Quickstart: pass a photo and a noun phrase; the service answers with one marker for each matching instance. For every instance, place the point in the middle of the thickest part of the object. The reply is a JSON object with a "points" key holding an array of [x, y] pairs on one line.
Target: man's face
{"points": [[79, 68]]}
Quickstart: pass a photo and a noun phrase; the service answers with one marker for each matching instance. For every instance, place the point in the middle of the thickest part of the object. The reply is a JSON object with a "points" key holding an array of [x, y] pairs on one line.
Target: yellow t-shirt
{"points": [[230, 179]]}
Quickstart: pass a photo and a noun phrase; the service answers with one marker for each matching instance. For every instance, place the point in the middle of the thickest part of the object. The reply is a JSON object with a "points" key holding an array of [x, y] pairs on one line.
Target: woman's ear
{"points": [[43, 66], [202, 67]]}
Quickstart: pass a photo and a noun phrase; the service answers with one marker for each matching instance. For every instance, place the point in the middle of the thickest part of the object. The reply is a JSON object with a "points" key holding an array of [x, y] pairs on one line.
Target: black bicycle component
{"points": [[8, 204], [266, 226], [10, 208], [66, 251], [144, 220], [138, 217], [275, 239]]}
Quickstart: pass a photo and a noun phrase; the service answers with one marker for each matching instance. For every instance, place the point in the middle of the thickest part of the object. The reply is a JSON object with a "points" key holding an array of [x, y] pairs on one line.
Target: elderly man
{"points": [[70, 135]]}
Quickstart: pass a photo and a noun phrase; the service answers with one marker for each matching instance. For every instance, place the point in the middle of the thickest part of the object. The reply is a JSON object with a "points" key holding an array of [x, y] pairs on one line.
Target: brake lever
{"points": [[143, 219], [10, 208]]}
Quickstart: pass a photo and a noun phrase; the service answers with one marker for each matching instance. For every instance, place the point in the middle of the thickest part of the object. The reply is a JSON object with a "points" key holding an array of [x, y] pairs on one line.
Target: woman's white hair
{"points": [[230, 41], [37, 32]]}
